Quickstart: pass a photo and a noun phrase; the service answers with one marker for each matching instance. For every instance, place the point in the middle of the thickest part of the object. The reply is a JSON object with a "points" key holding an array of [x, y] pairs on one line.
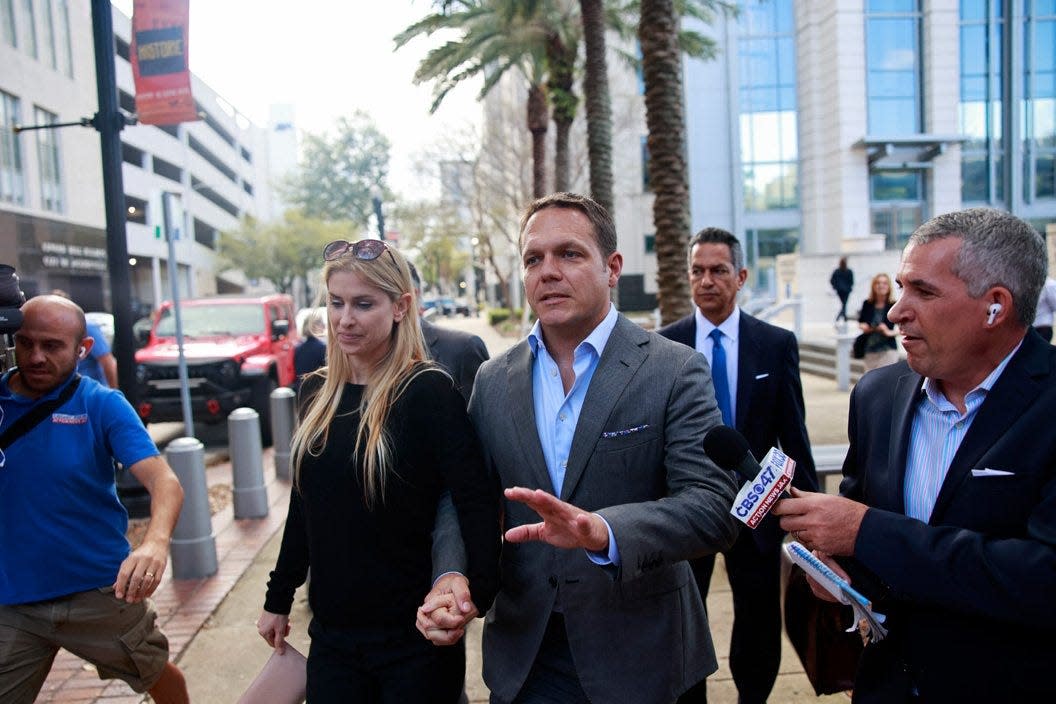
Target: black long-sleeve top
{"points": [[871, 315], [372, 567]]}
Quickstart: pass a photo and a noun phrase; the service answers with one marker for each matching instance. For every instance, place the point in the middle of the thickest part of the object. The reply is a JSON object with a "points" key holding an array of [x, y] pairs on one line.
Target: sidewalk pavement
{"points": [[210, 622]]}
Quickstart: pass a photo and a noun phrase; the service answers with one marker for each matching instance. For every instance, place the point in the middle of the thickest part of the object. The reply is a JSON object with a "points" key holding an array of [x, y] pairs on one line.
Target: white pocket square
{"points": [[991, 473], [762, 376]]}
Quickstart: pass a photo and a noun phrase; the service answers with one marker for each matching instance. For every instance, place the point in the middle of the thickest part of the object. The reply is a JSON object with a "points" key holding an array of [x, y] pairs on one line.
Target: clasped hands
{"points": [[448, 607]]}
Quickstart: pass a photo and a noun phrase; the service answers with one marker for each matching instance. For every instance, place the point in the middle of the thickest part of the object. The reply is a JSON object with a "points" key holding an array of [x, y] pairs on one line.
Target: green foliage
{"points": [[438, 234], [283, 250], [340, 172], [497, 315]]}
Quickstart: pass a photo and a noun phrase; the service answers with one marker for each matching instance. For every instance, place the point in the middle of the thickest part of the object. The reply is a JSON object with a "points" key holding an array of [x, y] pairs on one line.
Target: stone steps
{"points": [[819, 358]]}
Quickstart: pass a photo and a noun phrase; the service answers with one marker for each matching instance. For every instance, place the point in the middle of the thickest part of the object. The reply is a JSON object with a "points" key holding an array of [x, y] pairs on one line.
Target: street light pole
{"points": [[375, 199], [109, 121]]}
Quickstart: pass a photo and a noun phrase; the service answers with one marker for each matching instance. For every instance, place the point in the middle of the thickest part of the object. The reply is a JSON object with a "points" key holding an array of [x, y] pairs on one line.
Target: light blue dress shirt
{"points": [[557, 413], [935, 435]]}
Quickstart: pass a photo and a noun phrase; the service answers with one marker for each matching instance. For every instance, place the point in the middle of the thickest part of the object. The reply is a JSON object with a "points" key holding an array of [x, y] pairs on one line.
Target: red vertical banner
{"points": [[159, 62]]}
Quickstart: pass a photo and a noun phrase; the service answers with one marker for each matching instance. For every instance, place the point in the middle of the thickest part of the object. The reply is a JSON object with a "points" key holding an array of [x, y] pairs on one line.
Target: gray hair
{"points": [[716, 235], [997, 249]]}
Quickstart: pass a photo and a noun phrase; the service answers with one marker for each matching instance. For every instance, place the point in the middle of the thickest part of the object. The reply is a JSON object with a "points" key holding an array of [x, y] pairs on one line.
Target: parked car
{"points": [[238, 350]]}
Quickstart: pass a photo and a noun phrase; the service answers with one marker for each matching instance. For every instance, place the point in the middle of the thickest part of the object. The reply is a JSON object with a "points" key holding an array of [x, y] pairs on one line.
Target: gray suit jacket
{"points": [[638, 634]]}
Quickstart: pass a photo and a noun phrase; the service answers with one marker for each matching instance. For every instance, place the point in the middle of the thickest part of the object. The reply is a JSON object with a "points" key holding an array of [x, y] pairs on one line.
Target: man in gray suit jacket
{"points": [[594, 427]]}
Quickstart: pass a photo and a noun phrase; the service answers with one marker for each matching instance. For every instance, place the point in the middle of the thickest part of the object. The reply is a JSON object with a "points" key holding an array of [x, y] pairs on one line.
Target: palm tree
{"points": [[661, 40], [662, 68], [599, 106], [495, 36], [562, 50]]}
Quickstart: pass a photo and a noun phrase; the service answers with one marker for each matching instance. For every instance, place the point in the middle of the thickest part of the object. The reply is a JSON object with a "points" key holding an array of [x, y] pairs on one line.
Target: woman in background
{"points": [[880, 346], [383, 433]]}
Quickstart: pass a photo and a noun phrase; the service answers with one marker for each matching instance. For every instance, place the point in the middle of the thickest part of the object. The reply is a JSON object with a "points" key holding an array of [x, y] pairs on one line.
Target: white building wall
{"points": [[36, 84], [942, 94], [833, 176], [198, 262]]}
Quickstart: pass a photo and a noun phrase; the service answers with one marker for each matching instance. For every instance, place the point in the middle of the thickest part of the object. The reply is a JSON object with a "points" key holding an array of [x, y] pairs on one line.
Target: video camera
{"points": [[11, 300]]}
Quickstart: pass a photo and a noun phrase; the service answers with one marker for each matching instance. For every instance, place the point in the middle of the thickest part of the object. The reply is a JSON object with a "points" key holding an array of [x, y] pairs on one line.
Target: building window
{"points": [[64, 40], [982, 87], [767, 68], [892, 58], [1039, 138], [650, 243], [48, 19], [50, 162], [12, 185], [897, 206], [29, 26], [7, 22]]}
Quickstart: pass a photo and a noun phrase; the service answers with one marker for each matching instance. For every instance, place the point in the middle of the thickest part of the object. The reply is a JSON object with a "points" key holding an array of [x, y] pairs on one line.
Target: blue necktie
{"points": [[719, 378]]}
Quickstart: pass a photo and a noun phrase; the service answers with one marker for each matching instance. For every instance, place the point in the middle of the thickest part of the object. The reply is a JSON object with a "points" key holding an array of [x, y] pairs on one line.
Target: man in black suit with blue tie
{"points": [[755, 370]]}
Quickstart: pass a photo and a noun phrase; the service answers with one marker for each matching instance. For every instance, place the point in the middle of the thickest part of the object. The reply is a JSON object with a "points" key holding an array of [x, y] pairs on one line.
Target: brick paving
{"points": [[183, 605]]}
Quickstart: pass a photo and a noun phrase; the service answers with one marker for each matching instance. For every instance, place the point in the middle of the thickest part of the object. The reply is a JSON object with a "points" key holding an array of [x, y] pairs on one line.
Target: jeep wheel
{"points": [[260, 401]]}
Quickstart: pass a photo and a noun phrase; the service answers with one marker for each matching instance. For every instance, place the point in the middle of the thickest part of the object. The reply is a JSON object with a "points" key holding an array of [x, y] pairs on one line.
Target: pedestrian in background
{"points": [[755, 369], [842, 282], [310, 353], [880, 346], [383, 433], [1046, 309]]}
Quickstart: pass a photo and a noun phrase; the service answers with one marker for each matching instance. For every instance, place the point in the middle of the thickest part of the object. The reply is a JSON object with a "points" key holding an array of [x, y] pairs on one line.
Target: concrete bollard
{"points": [[193, 547], [247, 464], [282, 420], [844, 342]]}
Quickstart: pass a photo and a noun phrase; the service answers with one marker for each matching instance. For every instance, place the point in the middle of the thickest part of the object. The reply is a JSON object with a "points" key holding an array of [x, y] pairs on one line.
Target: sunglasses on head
{"points": [[367, 250]]}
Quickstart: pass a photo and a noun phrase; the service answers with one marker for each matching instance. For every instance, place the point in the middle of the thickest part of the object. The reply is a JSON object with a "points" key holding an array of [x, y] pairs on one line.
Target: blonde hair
{"points": [[406, 358], [874, 297]]}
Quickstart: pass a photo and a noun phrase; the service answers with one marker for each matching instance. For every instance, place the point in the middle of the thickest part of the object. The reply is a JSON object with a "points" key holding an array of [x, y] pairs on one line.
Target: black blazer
{"points": [[971, 595], [459, 353], [770, 409]]}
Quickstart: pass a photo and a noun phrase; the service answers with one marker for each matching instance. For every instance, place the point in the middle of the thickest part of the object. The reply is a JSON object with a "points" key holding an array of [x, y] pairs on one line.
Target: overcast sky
{"points": [[327, 58]]}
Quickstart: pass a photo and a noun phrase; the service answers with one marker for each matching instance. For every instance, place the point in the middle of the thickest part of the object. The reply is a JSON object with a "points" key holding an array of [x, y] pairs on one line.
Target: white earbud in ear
{"points": [[992, 312], [81, 352]]}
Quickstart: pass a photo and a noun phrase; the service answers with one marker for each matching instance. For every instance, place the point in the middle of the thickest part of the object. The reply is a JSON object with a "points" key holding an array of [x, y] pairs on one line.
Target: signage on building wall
{"points": [[159, 62], [72, 257]]}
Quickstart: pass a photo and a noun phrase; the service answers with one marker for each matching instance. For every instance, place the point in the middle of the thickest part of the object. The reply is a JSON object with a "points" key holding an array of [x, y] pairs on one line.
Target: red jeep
{"points": [[238, 350]]}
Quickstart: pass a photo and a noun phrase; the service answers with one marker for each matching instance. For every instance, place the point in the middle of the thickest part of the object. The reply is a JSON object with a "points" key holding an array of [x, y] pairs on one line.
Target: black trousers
{"points": [[383, 666], [755, 646]]}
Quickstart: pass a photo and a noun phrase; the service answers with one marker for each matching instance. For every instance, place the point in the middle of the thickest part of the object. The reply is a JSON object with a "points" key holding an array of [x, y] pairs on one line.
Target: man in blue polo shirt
{"points": [[67, 576]]}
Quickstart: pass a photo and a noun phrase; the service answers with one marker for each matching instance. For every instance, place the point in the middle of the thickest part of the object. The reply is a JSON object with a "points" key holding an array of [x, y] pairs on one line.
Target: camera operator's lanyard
{"points": [[37, 413]]}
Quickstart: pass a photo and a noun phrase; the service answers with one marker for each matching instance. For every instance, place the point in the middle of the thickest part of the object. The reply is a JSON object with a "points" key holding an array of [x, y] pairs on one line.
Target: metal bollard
{"points": [[247, 464], [193, 547], [282, 419]]}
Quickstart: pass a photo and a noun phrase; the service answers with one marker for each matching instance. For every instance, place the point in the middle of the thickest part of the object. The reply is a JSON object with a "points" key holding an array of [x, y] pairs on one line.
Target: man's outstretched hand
{"points": [[563, 525]]}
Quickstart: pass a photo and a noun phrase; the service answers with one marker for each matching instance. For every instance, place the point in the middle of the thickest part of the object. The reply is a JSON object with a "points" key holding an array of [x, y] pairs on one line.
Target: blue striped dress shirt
{"points": [[935, 435]]}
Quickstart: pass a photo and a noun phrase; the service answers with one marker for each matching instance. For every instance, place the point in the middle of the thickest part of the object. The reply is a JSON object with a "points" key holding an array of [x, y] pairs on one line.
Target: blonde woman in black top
{"points": [[383, 433], [880, 346]]}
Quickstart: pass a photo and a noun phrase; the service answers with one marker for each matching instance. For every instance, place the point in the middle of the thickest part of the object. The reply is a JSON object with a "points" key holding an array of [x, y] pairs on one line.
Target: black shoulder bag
{"points": [[37, 413]]}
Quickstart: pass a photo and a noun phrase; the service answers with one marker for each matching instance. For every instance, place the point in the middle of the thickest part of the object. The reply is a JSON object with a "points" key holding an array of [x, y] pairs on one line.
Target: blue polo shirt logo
{"points": [[68, 419]]}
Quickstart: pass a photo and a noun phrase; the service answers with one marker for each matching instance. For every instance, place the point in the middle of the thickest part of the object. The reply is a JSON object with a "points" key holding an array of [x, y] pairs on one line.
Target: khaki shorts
{"points": [[119, 638]]}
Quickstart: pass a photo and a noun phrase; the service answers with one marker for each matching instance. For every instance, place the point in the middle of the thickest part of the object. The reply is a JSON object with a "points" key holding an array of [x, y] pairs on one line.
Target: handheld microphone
{"points": [[766, 483]]}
